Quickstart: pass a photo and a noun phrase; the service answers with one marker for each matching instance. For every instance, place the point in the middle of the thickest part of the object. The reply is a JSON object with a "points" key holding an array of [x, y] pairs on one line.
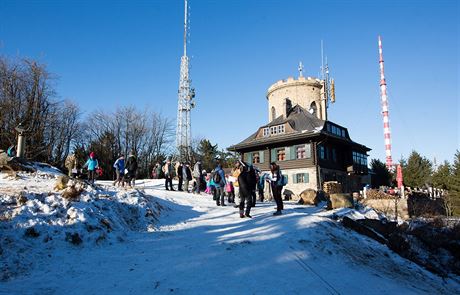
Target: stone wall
{"points": [[387, 207], [302, 91]]}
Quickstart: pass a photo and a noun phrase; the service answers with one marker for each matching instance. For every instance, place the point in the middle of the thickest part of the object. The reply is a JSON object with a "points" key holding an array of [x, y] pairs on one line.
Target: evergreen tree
{"points": [[207, 153], [454, 185], [417, 172], [381, 174], [442, 176], [107, 152], [455, 180]]}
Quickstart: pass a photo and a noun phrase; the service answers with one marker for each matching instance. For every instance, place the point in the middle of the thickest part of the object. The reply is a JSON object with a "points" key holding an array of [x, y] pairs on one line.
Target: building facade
{"points": [[309, 149]]}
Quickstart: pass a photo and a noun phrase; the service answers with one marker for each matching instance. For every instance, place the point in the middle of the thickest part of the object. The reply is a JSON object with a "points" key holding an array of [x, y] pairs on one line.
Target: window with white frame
{"points": [[280, 129], [266, 132]]}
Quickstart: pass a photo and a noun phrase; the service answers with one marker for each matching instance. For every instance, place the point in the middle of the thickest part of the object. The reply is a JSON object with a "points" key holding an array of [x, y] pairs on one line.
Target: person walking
{"points": [[197, 174], [180, 175], [218, 178], [187, 174], [92, 165], [276, 183], [119, 166], [168, 172], [131, 166]]}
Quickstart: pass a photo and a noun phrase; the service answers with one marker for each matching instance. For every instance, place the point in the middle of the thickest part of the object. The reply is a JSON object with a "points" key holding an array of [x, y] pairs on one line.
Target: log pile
{"points": [[378, 195], [332, 187]]}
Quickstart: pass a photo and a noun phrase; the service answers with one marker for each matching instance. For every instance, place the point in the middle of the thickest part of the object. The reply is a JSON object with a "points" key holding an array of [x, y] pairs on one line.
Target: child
{"points": [[208, 183], [230, 189]]}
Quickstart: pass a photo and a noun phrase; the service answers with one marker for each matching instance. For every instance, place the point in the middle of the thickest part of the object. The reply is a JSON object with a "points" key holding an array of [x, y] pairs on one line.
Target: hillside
{"points": [[149, 240]]}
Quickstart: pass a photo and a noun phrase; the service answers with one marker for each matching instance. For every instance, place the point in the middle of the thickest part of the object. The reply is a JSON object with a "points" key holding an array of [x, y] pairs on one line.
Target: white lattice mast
{"points": [[185, 103], [386, 120]]}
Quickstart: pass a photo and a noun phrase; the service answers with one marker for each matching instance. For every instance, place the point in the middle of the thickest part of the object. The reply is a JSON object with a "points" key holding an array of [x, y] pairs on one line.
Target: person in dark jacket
{"points": [[131, 166], [180, 175], [247, 184], [119, 166], [187, 174], [275, 179], [219, 183]]}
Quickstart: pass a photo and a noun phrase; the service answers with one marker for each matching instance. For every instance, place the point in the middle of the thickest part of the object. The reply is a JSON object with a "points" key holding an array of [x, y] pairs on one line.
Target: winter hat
{"points": [[92, 154]]}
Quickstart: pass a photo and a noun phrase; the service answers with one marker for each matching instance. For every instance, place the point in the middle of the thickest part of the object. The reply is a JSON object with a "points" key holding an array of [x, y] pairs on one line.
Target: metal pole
{"points": [[21, 143]]}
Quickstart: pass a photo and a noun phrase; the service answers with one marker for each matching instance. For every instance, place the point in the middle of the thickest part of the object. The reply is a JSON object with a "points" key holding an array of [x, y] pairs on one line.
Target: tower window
{"points": [[313, 108], [273, 113]]}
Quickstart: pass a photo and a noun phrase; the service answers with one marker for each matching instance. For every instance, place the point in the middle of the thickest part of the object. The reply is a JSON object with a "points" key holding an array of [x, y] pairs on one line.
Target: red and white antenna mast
{"points": [[386, 120]]}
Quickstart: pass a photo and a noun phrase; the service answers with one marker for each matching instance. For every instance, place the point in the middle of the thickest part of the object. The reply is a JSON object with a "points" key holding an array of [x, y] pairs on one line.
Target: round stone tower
{"points": [[306, 92]]}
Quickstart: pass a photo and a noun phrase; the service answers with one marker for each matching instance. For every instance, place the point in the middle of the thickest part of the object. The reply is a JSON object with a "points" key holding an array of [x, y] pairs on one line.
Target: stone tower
{"points": [[305, 91]]}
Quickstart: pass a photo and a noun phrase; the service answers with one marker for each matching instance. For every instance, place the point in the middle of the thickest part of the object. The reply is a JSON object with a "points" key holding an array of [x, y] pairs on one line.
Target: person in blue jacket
{"points": [[92, 165], [218, 178], [11, 152], [119, 166]]}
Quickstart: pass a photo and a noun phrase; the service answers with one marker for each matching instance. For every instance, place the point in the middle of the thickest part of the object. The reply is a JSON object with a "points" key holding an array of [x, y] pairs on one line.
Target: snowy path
{"points": [[199, 248]]}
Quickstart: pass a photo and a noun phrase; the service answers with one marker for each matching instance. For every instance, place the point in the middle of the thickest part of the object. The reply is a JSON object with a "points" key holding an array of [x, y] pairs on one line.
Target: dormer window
{"points": [[278, 129], [266, 132]]}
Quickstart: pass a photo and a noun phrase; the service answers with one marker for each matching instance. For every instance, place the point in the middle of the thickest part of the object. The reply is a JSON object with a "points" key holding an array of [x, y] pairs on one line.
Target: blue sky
{"points": [[114, 53]]}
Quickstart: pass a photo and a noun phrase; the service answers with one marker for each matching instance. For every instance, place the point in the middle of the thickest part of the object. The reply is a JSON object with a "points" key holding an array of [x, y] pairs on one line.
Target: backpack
{"points": [[216, 177], [284, 180]]}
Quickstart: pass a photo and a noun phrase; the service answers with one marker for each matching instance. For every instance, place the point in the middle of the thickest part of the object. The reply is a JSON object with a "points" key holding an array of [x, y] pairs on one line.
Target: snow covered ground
{"points": [[197, 248]]}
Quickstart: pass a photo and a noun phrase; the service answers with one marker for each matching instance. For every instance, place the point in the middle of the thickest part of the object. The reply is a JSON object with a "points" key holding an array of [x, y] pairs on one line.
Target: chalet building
{"points": [[309, 149]]}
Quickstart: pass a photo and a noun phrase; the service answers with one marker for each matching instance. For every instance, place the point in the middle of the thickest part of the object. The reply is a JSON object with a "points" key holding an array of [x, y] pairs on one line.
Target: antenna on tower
{"points": [[185, 98], [327, 81], [300, 69], [385, 111]]}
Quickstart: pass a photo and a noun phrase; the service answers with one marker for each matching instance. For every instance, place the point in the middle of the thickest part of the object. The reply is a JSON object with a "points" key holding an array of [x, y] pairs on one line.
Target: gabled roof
{"points": [[299, 119], [303, 124]]}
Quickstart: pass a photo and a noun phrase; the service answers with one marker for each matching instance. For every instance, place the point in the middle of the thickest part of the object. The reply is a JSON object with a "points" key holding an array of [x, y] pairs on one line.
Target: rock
{"points": [[339, 201], [381, 227], [362, 229], [309, 197], [61, 182], [388, 206], [72, 193]]}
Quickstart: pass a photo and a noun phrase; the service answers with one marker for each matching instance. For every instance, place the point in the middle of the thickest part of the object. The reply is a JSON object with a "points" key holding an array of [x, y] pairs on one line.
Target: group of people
{"points": [[181, 170], [244, 176], [125, 170]]}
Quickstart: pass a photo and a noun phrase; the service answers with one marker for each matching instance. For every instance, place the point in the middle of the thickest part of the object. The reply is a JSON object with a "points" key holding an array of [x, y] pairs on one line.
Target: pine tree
{"points": [[454, 185], [442, 177], [207, 152], [381, 174], [418, 170]]}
